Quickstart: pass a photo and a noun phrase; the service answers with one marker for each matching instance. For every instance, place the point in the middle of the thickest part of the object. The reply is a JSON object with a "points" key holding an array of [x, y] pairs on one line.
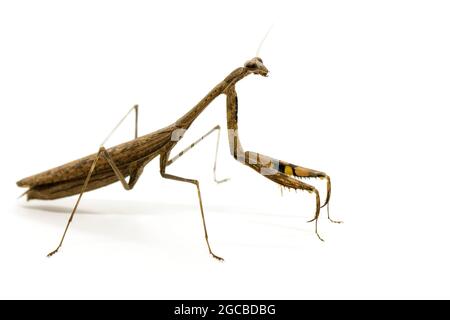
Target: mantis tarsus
{"points": [[129, 159]]}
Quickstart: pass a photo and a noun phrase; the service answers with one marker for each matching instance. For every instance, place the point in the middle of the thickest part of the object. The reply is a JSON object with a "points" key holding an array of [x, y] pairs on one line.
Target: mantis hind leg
{"points": [[127, 186], [83, 189], [103, 153]]}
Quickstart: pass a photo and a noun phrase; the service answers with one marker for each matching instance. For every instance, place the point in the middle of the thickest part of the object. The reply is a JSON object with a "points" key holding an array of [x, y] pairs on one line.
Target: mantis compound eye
{"points": [[250, 65]]}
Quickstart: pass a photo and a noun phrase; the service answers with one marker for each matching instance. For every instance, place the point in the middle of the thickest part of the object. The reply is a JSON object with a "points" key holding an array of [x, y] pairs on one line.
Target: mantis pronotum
{"points": [[129, 159]]}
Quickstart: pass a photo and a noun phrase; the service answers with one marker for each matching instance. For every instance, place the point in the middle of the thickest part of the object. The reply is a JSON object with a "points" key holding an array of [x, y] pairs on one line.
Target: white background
{"points": [[358, 89]]}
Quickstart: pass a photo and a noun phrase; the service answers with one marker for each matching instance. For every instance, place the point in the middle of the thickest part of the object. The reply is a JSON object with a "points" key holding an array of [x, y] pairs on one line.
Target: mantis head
{"points": [[256, 66]]}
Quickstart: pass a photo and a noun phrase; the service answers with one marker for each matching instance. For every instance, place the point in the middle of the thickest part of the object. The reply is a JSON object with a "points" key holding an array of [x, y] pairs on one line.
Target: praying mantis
{"points": [[129, 159]]}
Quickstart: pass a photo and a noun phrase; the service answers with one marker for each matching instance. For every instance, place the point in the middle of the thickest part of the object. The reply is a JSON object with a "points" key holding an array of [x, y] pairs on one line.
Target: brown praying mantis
{"points": [[129, 159]]}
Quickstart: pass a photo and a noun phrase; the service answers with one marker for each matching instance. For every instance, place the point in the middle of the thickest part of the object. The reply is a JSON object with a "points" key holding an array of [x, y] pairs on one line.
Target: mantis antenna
{"points": [[262, 41]]}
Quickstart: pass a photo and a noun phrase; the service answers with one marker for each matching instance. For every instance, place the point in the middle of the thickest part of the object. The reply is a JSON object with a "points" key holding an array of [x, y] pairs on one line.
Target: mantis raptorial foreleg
{"points": [[270, 168], [302, 172], [283, 173], [163, 165], [181, 153], [103, 153]]}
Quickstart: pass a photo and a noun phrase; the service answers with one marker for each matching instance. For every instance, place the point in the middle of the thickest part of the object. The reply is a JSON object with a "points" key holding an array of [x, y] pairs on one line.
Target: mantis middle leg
{"points": [[180, 154], [163, 165]]}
